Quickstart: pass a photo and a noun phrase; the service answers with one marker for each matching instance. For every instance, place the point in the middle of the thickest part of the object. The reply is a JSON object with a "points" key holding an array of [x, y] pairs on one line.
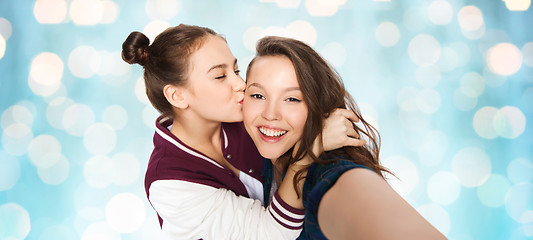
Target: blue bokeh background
{"points": [[448, 83]]}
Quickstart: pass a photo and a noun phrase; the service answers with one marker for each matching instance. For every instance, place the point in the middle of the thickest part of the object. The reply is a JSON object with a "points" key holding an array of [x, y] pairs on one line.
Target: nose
{"points": [[271, 111], [238, 84]]}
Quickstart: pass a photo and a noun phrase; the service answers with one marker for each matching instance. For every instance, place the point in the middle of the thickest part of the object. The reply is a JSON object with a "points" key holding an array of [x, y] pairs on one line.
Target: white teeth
{"points": [[271, 132]]}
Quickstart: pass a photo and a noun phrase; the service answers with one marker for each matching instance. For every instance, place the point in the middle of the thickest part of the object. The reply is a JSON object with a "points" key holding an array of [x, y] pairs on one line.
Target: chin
{"points": [[269, 154]]}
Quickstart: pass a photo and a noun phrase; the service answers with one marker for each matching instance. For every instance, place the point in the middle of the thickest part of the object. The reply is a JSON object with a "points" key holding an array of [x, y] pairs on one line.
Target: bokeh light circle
{"points": [[58, 231], [50, 11], [16, 138], [465, 103], [99, 171], [428, 100], [527, 53], [387, 34], [448, 60], [44, 151], [323, 8], [517, 5], [472, 166], [17, 114], [415, 18], [130, 168], [519, 201], [463, 53], [153, 28], [86, 12], [504, 59], [100, 231], [520, 170], [414, 121], [303, 31], [371, 114], [407, 98], [149, 115], [140, 91], [57, 173], [100, 139], [77, 118], [116, 116], [443, 188], [492, 192], [5, 29], [509, 122], [80, 61], [45, 74], [9, 171], [440, 12], [55, 111], [15, 221], [125, 212], [429, 76], [2, 46], [483, 122], [335, 54], [162, 9], [424, 50], [250, 37], [470, 18], [110, 12], [437, 216], [406, 172], [472, 85]]}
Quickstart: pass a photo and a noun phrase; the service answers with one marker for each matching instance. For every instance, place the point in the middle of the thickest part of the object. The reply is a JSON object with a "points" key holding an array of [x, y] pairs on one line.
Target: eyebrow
{"points": [[223, 65], [257, 85]]}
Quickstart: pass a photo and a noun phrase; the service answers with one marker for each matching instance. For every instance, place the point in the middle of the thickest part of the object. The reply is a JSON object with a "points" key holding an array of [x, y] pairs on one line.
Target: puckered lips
{"points": [[271, 134]]}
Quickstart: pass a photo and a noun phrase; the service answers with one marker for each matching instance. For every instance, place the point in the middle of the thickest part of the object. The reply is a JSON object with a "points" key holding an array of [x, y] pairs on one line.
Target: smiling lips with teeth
{"points": [[270, 134]]}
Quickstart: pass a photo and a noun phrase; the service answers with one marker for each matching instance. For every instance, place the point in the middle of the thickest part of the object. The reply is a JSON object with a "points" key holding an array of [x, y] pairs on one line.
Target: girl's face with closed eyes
{"points": [[274, 110], [215, 88]]}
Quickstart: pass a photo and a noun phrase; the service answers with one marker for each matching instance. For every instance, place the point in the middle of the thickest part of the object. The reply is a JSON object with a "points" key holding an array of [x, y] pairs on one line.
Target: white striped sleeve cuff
{"points": [[286, 215]]}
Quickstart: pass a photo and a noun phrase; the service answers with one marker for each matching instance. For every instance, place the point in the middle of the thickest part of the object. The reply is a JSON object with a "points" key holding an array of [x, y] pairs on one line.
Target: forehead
{"points": [[213, 51], [278, 69]]}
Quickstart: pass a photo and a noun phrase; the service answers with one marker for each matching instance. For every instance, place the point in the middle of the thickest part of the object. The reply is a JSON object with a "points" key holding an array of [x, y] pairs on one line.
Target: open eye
{"points": [[293, 99], [257, 96]]}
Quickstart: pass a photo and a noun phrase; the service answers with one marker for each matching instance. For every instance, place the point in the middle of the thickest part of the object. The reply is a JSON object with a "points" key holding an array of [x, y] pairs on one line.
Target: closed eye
{"points": [[237, 71], [221, 77]]}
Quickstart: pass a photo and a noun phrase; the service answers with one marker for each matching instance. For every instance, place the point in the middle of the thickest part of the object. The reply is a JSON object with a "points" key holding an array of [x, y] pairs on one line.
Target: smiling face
{"points": [[215, 88], [274, 111]]}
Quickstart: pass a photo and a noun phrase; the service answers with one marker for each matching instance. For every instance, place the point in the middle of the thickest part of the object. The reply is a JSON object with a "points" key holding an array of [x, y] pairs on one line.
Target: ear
{"points": [[177, 96]]}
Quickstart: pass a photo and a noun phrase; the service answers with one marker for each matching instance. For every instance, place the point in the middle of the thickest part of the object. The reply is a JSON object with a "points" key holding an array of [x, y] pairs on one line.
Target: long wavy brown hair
{"points": [[323, 92]]}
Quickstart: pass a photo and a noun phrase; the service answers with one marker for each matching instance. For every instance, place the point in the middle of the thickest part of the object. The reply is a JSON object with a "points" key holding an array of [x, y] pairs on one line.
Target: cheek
{"points": [[249, 111], [298, 117]]}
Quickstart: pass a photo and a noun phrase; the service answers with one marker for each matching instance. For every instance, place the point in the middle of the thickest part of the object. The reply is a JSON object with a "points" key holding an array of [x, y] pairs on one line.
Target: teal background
{"points": [[452, 97]]}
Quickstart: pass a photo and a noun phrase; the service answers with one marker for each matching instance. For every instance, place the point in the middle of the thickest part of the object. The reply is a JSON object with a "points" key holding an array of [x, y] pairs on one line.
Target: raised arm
{"points": [[362, 205]]}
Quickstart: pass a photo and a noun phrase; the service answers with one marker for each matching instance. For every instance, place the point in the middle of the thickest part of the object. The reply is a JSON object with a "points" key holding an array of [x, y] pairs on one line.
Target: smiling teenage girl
{"points": [[290, 89], [204, 172]]}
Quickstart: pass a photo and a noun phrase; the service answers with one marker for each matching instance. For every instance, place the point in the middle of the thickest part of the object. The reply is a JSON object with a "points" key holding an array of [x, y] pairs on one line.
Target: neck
{"points": [[197, 132]]}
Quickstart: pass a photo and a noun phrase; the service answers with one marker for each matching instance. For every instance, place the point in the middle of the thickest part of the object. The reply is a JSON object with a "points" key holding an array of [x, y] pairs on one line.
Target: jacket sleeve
{"points": [[193, 211]]}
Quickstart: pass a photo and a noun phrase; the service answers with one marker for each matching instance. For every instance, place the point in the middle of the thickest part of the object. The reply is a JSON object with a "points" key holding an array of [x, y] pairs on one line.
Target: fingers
{"points": [[355, 142], [349, 114], [351, 132]]}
